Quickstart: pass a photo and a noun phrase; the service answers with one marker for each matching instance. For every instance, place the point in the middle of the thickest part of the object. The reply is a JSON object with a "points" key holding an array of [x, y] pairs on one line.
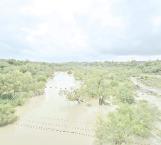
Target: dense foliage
{"points": [[20, 80], [124, 126], [103, 82]]}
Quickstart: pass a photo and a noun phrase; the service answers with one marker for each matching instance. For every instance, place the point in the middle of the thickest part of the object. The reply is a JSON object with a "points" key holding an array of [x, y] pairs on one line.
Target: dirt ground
{"points": [[152, 96]]}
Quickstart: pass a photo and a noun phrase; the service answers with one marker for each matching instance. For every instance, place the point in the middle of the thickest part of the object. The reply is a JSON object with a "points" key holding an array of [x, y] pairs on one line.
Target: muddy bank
{"points": [[150, 95]]}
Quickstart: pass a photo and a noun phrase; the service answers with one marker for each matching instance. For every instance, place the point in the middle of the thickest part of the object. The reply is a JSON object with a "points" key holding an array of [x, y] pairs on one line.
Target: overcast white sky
{"points": [[80, 30]]}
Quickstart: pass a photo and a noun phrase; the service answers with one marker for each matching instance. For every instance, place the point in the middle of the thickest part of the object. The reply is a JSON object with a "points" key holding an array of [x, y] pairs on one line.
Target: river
{"points": [[51, 119]]}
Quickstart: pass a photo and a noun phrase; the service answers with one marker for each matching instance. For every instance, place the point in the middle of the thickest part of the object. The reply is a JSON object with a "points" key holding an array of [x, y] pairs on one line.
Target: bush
{"points": [[128, 122], [104, 83], [20, 80], [125, 93], [7, 115]]}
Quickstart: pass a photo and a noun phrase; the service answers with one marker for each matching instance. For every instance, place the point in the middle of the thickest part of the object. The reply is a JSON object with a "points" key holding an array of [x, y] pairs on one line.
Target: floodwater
{"points": [[53, 120]]}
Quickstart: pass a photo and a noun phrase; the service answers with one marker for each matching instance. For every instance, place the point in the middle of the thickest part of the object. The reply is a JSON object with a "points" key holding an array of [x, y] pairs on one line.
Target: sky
{"points": [[80, 30]]}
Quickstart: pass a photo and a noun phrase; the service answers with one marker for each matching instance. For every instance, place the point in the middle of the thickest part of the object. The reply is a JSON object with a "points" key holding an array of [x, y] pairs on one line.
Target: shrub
{"points": [[128, 122], [7, 115]]}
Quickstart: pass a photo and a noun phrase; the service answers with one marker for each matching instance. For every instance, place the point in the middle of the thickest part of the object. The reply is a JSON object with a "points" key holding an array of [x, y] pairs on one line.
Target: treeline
{"points": [[139, 66], [150, 67], [20, 80]]}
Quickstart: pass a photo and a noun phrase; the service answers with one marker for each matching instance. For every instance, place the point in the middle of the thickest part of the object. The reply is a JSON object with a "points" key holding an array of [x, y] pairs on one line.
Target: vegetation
{"points": [[124, 126], [103, 82], [20, 80], [151, 81], [133, 121], [150, 67], [107, 82]]}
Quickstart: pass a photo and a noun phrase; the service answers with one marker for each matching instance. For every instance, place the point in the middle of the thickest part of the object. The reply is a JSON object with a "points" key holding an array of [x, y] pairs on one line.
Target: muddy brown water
{"points": [[53, 120]]}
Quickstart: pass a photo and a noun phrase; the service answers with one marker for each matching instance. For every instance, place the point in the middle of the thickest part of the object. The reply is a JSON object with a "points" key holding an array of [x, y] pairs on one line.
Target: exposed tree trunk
{"points": [[101, 100]]}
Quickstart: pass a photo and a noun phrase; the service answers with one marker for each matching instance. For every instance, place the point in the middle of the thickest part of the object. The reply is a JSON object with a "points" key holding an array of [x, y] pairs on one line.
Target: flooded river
{"points": [[51, 119]]}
